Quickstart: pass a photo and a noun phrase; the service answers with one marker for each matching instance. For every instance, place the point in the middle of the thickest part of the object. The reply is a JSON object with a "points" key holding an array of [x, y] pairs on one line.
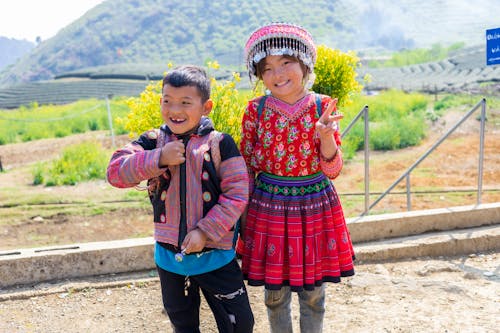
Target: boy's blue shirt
{"points": [[192, 264]]}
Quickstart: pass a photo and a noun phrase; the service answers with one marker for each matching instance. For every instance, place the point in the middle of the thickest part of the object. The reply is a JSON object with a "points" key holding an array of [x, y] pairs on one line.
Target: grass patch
{"points": [[56, 121], [81, 162]]}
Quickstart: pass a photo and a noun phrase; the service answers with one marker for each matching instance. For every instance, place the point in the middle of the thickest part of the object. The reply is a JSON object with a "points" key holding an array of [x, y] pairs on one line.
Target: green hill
{"points": [[156, 32], [159, 31], [120, 45]]}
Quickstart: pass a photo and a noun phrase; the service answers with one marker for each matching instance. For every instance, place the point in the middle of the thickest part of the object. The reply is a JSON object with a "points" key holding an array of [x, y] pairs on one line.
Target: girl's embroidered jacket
{"points": [[193, 194]]}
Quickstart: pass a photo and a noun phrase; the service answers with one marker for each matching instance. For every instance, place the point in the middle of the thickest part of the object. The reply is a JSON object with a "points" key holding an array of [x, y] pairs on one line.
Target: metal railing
{"points": [[363, 113], [407, 173]]}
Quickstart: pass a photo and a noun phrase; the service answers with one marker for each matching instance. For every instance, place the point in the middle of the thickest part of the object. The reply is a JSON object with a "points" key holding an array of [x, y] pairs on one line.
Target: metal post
{"points": [[481, 152], [367, 160], [408, 193], [110, 120]]}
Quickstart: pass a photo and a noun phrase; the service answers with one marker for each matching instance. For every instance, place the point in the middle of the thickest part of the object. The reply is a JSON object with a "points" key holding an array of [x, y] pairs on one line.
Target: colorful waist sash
{"points": [[291, 186]]}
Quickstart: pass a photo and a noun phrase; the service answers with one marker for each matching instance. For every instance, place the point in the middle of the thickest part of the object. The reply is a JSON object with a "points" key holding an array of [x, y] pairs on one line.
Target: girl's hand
{"points": [[327, 124], [172, 153], [195, 241]]}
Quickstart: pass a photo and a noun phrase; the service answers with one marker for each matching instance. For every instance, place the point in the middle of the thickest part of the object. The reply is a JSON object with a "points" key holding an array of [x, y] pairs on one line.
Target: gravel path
{"points": [[459, 294]]}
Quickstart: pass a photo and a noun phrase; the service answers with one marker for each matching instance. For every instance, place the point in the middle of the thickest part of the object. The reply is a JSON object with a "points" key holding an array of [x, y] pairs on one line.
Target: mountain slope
{"points": [[159, 31], [13, 49], [155, 31]]}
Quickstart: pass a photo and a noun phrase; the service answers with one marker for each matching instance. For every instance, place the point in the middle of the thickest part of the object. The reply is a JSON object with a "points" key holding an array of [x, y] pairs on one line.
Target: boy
{"points": [[196, 203]]}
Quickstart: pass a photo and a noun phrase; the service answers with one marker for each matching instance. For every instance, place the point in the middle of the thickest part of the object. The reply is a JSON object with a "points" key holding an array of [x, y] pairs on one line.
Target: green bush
{"points": [[38, 174], [81, 162], [397, 133], [448, 102], [397, 120], [384, 136], [93, 125]]}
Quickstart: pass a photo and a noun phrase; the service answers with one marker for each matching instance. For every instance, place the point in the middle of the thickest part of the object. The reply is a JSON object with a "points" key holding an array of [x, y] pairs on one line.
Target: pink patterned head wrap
{"points": [[279, 39]]}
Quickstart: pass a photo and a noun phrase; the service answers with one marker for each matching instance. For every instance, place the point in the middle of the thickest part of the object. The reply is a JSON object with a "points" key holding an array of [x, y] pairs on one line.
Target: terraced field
{"points": [[97, 82], [464, 72], [67, 91]]}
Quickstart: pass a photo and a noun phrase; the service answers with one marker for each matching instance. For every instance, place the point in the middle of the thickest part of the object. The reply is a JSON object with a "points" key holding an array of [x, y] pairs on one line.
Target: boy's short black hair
{"points": [[189, 75]]}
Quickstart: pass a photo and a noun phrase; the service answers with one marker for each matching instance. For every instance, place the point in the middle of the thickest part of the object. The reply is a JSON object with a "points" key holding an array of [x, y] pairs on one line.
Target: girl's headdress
{"points": [[279, 39]]}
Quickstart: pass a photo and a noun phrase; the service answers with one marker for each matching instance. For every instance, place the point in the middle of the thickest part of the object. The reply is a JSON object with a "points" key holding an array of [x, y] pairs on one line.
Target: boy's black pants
{"points": [[224, 292]]}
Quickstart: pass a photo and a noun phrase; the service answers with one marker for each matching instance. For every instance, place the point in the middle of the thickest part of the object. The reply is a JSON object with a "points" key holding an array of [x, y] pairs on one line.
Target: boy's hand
{"points": [[195, 241], [327, 123], [172, 153]]}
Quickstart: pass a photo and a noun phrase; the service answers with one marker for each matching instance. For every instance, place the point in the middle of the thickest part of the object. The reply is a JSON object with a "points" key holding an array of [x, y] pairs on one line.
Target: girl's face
{"points": [[182, 108], [284, 77]]}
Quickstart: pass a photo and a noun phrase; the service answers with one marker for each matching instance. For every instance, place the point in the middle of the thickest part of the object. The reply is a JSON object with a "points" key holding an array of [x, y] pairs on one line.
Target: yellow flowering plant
{"points": [[335, 76], [144, 110], [228, 109], [335, 73]]}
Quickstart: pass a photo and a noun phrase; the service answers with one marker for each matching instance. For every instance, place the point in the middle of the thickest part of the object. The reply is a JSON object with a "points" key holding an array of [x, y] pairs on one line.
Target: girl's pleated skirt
{"points": [[295, 234]]}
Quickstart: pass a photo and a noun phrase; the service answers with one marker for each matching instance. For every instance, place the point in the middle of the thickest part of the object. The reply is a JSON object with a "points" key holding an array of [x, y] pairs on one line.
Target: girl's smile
{"points": [[284, 77], [278, 85]]}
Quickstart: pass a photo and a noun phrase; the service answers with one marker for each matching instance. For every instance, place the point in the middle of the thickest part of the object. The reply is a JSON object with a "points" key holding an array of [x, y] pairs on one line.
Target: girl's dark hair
{"points": [[189, 75], [259, 69]]}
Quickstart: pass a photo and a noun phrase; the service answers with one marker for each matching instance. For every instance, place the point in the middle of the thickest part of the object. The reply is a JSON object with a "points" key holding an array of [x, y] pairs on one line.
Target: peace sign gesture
{"points": [[327, 124]]}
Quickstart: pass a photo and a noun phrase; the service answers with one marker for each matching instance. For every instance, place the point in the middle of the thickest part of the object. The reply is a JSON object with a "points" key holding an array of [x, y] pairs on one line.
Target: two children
{"points": [[295, 237], [198, 186]]}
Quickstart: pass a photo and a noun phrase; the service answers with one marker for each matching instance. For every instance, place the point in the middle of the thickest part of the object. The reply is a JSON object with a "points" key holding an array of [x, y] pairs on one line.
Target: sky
{"points": [[27, 19]]}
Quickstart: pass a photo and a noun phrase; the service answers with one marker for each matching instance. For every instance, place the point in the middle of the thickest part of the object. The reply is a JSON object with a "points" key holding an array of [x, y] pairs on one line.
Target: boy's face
{"points": [[182, 108]]}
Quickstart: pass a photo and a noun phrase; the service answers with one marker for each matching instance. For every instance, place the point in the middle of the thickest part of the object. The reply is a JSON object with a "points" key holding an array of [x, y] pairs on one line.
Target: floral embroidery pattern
{"points": [[279, 151], [293, 134], [281, 124], [307, 122], [291, 163], [268, 138], [283, 140], [305, 149]]}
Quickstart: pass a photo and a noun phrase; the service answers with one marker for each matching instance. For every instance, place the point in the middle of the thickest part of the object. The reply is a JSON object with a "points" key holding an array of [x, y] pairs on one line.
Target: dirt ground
{"points": [[459, 294], [421, 295]]}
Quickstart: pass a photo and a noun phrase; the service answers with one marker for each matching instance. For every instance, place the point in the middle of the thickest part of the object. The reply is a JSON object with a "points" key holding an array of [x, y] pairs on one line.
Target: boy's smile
{"points": [[182, 108]]}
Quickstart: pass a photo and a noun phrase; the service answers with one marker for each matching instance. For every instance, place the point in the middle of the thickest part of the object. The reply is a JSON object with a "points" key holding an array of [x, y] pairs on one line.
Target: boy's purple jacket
{"points": [[193, 194]]}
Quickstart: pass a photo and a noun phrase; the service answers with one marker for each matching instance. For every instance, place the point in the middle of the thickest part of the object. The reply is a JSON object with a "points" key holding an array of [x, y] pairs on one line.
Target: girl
{"points": [[295, 237]]}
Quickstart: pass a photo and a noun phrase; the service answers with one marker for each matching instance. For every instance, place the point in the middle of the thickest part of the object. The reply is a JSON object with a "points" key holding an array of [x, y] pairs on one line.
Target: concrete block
{"points": [[384, 226], [399, 235], [27, 266], [444, 243]]}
